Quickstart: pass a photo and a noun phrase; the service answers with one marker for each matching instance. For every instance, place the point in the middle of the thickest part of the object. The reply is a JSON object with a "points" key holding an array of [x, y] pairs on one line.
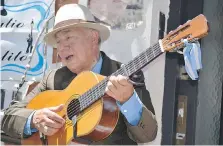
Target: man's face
{"points": [[78, 48]]}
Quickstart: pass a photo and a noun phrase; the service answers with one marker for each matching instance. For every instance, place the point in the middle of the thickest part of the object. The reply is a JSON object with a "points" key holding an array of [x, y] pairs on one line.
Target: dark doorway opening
{"points": [[203, 98]]}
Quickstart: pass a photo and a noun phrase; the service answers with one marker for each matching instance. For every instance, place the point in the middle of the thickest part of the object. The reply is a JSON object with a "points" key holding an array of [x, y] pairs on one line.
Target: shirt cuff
{"points": [[132, 109], [28, 130]]}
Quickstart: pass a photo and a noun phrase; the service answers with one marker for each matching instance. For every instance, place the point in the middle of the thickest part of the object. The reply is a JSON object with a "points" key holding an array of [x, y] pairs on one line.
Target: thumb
{"points": [[57, 108]]}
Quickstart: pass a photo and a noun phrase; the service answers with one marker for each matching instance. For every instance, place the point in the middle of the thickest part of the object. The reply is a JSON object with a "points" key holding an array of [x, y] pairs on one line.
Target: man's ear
{"points": [[95, 36], [58, 57]]}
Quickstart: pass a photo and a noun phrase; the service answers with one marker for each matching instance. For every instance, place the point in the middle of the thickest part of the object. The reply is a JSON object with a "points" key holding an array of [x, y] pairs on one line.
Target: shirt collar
{"points": [[97, 66]]}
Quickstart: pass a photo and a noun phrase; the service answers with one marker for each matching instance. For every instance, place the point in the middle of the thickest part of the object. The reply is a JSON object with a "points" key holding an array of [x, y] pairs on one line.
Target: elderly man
{"points": [[77, 38]]}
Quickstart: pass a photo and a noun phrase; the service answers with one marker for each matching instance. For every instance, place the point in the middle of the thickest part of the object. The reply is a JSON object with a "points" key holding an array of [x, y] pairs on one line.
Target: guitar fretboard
{"points": [[128, 69]]}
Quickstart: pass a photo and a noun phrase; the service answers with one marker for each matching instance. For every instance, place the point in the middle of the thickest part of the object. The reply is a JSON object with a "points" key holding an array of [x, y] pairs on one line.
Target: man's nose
{"points": [[64, 47]]}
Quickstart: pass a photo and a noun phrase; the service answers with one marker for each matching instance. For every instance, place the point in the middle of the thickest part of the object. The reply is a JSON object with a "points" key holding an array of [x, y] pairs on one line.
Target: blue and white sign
{"points": [[21, 21]]}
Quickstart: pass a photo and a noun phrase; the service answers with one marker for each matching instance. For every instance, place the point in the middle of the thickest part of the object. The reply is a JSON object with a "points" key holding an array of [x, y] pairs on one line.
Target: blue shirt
{"points": [[131, 109]]}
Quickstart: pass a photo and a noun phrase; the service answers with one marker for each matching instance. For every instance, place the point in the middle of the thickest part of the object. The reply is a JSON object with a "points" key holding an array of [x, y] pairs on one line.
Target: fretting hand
{"points": [[119, 88]]}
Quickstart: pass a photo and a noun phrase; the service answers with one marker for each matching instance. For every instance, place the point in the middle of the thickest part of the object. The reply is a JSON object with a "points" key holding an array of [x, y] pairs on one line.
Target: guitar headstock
{"points": [[192, 30]]}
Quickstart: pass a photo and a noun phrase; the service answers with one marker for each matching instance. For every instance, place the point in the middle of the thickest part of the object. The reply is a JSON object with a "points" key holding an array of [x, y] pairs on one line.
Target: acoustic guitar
{"points": [[89, 113]]}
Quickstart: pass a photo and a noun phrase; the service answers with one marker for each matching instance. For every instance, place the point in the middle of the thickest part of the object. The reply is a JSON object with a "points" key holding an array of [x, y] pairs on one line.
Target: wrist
{"points": [[33, 122], [126, 99]]}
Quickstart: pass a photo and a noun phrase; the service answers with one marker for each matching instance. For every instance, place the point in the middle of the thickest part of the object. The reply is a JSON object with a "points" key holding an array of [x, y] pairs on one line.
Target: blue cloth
{"points": [[131, 109], [192, 59], [28, 130]]}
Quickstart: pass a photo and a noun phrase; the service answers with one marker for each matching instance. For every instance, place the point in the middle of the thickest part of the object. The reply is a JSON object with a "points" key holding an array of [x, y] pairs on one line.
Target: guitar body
{"points": [[94, 123]]}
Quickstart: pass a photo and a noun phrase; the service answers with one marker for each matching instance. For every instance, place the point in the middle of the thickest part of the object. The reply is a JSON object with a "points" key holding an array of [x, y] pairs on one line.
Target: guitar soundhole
{"points": [[73, 108]]}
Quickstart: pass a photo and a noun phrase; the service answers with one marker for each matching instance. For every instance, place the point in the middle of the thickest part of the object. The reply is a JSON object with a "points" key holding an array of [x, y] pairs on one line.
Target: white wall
{"points": [[124, 45]]}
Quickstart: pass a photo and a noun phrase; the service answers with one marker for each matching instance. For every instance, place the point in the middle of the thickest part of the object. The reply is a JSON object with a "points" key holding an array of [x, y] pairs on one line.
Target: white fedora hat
{"points": [[75, 15]]}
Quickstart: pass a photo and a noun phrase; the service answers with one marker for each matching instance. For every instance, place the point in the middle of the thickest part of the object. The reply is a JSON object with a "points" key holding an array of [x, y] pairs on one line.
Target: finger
{"points": [[114, 81], [57, 108], [54, 116], [53, 124], [110, 93], [111, 87], [122, 80], [49, 131]]}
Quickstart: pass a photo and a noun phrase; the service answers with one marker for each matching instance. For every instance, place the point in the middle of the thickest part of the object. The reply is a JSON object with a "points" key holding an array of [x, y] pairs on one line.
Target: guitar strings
{"points": [[120, 72], [88, 98], [69, 122]]}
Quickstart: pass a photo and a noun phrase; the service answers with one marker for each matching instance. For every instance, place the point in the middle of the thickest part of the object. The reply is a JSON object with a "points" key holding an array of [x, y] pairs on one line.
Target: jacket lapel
{"points": [[108, 66], [63, 77]]}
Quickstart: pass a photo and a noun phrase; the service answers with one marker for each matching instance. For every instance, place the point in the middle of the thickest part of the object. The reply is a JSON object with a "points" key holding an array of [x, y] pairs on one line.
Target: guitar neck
{"points": [[139, 61], [128, 69]]}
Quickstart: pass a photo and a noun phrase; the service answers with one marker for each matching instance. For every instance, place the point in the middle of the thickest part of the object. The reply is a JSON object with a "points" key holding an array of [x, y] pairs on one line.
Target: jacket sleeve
{"points": [[16, 115], [146, 130]]}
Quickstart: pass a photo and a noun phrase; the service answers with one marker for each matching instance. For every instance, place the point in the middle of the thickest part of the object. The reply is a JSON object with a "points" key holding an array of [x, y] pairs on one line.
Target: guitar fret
{"points": [[149, 52], [133, 66], [82, 103], [128, 68], [153, 52], [143, 58], [98, 91], [125, 71], [140, 63], [147, 60]]}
